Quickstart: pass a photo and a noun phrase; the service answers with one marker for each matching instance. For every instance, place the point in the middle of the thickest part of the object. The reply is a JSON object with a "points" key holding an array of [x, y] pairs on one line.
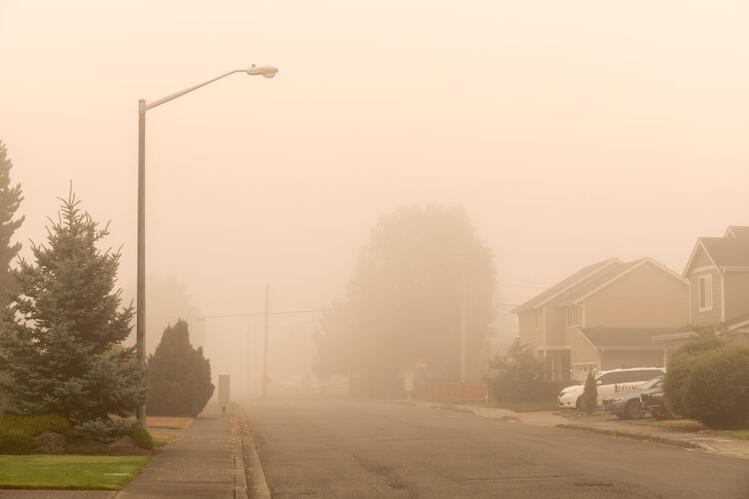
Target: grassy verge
{"points": [[526, 406], [740, 434], [670, 424], [69, 472]]}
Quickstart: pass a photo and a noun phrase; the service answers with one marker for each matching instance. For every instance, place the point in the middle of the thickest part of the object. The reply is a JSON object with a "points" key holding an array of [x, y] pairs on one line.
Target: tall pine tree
{"points": [[60, 336], [10, 200]]}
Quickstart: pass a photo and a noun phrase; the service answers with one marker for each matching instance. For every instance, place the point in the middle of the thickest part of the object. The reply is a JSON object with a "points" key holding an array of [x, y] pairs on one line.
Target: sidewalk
{"points": [[204, 461], [608, 425]]}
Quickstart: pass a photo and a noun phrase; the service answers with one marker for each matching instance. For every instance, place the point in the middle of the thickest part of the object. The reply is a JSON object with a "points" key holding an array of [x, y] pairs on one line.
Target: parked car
{"points": [[627, 404], [652, 401], [609, 382]]}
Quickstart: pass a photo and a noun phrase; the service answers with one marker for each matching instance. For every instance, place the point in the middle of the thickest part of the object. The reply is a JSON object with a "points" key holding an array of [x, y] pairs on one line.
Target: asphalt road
{"points": [[353, 448]]}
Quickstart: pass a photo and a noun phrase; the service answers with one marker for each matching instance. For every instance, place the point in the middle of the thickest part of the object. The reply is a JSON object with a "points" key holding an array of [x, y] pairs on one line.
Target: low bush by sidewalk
{"points": [[52, 433]]}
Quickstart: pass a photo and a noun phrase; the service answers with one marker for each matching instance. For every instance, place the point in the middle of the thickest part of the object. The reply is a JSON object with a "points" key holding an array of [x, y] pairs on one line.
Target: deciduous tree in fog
{"points": [[60, 336], [10, 200], [403, 302], [179, 375]]}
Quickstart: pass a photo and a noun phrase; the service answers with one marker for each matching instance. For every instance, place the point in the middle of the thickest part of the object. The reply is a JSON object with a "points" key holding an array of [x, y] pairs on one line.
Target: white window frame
{"points": [[705, 282], [537, 318], [573, 316]]}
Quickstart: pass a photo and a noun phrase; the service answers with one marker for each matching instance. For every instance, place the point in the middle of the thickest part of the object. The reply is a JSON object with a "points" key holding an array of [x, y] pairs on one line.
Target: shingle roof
{"points": [[603, 337], [584, 282], [565, 284], [727, 251], [587, 285]]}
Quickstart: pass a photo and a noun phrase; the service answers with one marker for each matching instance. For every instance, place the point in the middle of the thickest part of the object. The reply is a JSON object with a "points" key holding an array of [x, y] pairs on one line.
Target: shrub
{"points": [[179, 375], [590, 394], [141, 437], [102, 430], [36, 425], [518, 376], [710, 385], [14, 441]]}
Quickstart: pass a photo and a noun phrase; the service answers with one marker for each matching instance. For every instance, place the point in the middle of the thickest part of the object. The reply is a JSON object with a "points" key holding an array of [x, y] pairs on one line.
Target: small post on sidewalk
{"points": [[265, 343], [224, 392]]}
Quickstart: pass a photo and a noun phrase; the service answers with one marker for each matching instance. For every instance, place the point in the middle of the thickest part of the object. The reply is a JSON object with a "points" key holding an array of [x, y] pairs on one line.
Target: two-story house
{"points": [[605, 316], [718, 275]]}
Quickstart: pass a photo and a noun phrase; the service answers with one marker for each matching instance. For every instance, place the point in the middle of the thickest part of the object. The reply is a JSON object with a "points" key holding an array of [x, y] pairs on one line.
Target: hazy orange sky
{"points": [[570, 131]]}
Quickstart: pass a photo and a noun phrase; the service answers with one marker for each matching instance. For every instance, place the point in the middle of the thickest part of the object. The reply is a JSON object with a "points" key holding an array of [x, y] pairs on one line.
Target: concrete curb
{"points": [[253, 468], [240, 477], [686, 444]]}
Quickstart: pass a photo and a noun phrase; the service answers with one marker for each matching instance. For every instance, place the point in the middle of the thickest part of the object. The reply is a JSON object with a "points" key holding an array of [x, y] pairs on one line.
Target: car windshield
{"points": [[652, 383]]}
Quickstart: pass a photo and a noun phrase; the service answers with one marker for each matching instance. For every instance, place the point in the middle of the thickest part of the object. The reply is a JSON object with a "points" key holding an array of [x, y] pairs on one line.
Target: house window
{"points": [[537, 318], [705, 293], [573, 316]]}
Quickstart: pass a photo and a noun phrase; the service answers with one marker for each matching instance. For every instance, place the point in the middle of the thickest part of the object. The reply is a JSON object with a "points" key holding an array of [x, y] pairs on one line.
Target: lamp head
{"points": [[265, 71]]}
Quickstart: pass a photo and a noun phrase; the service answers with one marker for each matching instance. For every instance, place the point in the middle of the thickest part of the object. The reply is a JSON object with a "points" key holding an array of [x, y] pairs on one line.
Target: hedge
{"points": [[710, 385]]}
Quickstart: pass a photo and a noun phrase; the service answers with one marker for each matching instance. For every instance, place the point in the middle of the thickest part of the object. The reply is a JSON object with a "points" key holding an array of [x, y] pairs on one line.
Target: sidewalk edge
{"points": [[686, 444]]}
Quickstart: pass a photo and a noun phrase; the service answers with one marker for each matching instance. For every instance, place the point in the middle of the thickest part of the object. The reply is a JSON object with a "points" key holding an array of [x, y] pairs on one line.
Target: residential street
{"points": [[350, 448]]}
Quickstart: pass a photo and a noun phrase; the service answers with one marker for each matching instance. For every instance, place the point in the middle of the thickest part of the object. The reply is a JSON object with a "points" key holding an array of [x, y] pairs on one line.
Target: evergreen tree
{"points": [[403, 302], [60, 336], [590, 394], [10, 200], [179, 375]]}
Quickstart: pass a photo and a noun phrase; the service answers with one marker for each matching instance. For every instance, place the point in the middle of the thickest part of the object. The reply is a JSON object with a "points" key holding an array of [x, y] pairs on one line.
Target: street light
{"points": [[143, 106]]}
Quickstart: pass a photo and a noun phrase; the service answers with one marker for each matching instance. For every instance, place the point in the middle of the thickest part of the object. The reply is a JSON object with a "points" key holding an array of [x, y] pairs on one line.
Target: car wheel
{"points": [[579, 403], [633, 410], [661, 413]]}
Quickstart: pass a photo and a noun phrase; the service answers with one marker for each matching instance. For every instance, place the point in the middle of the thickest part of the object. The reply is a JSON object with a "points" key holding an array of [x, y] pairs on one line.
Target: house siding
{"points": [[708, 317], [646, 297], [618, 359], [582, 354], [736, 289], [555, 322], [528, 333]]}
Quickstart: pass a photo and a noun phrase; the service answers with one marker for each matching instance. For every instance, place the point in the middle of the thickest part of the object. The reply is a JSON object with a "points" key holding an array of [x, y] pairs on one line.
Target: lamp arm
{"points": [[175, 95]]}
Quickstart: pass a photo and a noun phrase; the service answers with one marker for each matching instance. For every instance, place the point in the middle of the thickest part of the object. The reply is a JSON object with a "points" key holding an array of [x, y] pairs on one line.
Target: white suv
{"points": [[617, 380]]}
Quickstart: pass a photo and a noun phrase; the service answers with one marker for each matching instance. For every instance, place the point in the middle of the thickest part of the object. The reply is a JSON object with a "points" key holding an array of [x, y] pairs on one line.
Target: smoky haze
{"points": [[570, 132]]}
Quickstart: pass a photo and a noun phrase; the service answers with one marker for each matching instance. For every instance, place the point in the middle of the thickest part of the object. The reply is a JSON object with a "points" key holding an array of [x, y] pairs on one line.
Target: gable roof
{"points": [[731, 251], [612, 337], [599, 284], [737, 231], [566, 284], [586, 282]]}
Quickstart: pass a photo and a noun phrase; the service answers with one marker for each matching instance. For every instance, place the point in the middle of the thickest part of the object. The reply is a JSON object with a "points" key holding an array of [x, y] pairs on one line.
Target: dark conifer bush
{"points": [[180, 376], [590, 394]]}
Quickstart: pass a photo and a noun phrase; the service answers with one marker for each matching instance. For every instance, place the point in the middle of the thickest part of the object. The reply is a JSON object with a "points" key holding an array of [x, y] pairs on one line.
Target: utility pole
{"points": [[265, 342], [140, 307], [462, 319], [248, 362]]}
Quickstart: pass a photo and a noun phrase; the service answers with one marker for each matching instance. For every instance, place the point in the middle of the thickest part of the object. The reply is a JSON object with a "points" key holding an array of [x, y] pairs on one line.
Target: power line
{"points": [[298, 312]]}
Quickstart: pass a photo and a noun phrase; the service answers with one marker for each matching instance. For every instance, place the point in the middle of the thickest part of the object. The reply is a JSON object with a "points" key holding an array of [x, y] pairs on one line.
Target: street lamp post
{"points": [[143, 106]]}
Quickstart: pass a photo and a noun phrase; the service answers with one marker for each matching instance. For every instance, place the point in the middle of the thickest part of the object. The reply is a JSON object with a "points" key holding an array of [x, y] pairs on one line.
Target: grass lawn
{"points": [[69, 472], [740, 434], [670, 424], [527, 406]]}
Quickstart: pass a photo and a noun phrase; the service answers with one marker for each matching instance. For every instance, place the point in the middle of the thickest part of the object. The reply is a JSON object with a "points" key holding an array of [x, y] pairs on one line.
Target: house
{"points": [[604, 316], [718, 276]]}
